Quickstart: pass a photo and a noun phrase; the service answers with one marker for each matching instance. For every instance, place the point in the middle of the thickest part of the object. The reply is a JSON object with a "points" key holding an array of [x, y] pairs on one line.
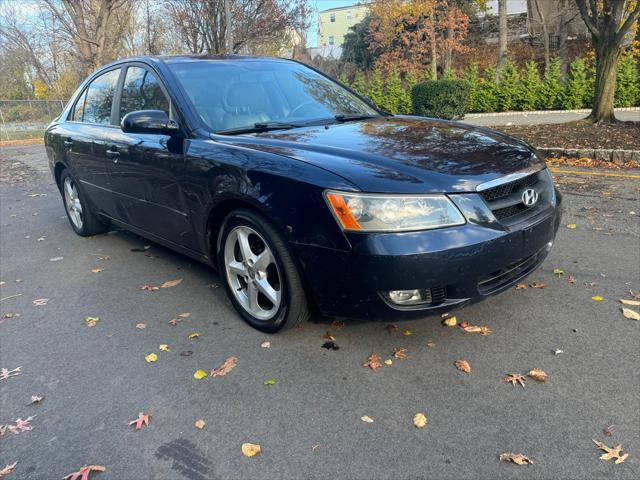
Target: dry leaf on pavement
{"points": [[597, 298], [35, 399], [194, 335], [450, 321], [538, 375], [538, 285], [373, 362], [140, 421], [41, 302], [84, 472], [559, 272], [150, 288], [629, 302], [141, 326], [91, 321], [514, 379], [96, 270], [250, 449], [611, 452], [6, 373], [329, 336], [516, 458], [225, 368], [463, 366], [171, 283], [7, 470], [20, 426], [391, 328], [200, 424], [572, 226], [571, 279], [388, 361], [400, 353], [521, 286], [366, 419], [484, 331], [406, 333], [152, 357], [420, 420], [199, 374], [164, 347], [265, 345], [632, 314]]}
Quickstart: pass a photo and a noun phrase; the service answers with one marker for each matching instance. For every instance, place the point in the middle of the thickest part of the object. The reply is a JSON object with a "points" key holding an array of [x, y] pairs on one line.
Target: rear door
{"points": [[146, 169], [84, 134]]}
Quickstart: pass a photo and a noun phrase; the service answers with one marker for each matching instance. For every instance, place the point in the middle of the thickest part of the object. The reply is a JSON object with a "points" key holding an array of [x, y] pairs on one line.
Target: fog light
{"points": [[549, 245], [405, 297]]}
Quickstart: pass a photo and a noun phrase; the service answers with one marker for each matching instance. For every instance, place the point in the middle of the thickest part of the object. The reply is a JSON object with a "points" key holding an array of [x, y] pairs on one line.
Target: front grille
{"points": [[507, 212], [507, 189], [438, 295]]}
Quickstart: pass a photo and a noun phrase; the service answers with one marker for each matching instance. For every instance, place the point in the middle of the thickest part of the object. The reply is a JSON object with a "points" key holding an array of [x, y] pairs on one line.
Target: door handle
{"points": [[114, 155], [68, 143]]}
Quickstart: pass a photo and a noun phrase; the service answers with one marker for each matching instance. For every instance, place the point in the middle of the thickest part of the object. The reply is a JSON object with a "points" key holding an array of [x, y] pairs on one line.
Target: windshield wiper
{"points": [[353, 116], [259, 127]]}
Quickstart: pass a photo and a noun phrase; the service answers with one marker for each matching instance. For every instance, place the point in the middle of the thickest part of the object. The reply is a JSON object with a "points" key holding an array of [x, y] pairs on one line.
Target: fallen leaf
{"points": [[431, 343], [400, 353], [335, 324], [84, 472], [140, 421], [184, 315], [629, 302], [572, 226], [631, 314], [450, 321], [514, 379], [6, 373], [214, 285], [516, 458], [484, 331], [420, 420], [635, 296], [225, 368], [538, 285], [40, 302], [608, 431], [538, 375], [199, 374], [388, 361], [150, 288], [611, 452], [200, 424], [8, 469], [330, 345], [558, 351], [174, 321], [373, 362], [571, 279], [463, 366], [35, 399], [56, 259], [329, 336], [96, 270], [171, 283], [366, 419], [250, 449], [270, 382], [391, 328], [406, 333], [597, 298], [521, 286], [194, 335], [164, 347], [141, 326], [186, 353], [91, 321], [265, 345], [558, 272], [152, 357], [20, 426]]}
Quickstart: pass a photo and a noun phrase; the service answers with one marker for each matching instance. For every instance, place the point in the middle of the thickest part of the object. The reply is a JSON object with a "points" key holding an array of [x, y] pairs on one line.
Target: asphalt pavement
{"points": [[539, 118], [95, 379]]}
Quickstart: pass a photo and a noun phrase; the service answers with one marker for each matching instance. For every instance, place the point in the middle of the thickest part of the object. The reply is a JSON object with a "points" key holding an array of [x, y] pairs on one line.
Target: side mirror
{"points": [[149, 121]]}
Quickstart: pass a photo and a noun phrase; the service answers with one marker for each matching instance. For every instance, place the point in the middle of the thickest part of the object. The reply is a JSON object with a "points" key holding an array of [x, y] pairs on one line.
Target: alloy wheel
{"points": [[72, 203], [252, 272]]}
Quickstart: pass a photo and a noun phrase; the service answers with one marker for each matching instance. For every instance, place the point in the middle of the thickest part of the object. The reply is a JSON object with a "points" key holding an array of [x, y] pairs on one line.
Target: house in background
{"points": [[333, 25]]}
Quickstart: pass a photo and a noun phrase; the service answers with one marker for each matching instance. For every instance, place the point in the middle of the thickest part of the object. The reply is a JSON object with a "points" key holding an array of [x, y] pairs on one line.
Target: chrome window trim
{"points": [[510, 178]]}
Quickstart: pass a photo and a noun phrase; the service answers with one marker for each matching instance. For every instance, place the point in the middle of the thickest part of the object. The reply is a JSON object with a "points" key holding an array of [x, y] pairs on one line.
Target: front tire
{"points": [[260, 275], [79, 212]]}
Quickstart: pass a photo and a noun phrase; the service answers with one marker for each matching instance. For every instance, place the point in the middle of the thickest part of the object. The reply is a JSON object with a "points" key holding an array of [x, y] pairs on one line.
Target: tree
{"points": [[503, 31], [627, 82], [608, 21], [552, 88], [355, 48], [576, 92], [530, 86]]}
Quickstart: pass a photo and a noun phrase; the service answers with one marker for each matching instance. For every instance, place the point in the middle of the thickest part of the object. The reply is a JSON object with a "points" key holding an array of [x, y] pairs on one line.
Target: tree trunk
{"points": [[228, 33], [503, 30], [434, 53], [545, 35], [607, 54], [562, 48]]}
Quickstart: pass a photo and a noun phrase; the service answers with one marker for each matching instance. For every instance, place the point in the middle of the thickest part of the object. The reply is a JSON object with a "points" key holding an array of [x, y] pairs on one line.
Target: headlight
{"points": [[392, 213]]}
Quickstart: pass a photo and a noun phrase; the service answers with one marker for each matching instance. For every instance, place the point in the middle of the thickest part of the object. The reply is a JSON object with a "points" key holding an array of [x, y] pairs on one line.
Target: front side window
{"points": [[99, 97], [237, 94], [141, 91]]}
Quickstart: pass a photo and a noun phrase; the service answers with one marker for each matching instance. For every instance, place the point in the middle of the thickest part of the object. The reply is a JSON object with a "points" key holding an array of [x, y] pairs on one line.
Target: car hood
{"points": [[401, 154]]}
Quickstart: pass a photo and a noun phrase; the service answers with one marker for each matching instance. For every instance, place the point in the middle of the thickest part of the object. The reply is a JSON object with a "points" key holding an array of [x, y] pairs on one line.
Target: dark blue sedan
{"points": [[302, 194]]}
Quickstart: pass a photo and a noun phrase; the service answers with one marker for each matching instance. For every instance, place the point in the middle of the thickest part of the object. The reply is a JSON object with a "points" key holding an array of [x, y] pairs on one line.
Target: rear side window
{"points": [[141, 91], [98, 99], [78, 109]]}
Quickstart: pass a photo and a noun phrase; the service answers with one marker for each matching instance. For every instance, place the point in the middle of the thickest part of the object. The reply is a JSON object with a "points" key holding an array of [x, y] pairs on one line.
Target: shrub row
{"points": [[517, 89]]}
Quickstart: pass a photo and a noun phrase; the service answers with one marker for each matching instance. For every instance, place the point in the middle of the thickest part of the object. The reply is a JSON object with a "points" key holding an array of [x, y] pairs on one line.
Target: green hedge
{"points": [[442, 98]]}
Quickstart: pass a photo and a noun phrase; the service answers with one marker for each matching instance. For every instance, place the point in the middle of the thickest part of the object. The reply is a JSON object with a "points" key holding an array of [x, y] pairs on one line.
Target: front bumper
{"points": [[470, 262]]}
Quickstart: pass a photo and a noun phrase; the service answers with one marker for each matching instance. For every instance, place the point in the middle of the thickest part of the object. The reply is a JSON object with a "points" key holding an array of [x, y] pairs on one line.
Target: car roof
{"points": [[193, 57]]}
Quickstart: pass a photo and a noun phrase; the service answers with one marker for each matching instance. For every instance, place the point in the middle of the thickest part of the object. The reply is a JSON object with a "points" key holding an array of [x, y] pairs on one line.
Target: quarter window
{"points": [[141, 91], [98, 99]]}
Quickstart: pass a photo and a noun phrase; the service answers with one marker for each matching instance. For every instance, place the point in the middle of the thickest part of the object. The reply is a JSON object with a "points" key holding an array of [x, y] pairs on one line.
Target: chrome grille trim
{"points": [[512, 177]]}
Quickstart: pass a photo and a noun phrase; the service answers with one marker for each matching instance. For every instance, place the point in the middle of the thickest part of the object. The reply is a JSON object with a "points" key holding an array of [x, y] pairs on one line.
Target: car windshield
{"points": [[237, 94]]}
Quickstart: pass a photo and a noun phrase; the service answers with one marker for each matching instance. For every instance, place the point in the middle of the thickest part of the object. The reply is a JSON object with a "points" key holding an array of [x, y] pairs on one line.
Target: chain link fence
{"points": [[24, 119]]}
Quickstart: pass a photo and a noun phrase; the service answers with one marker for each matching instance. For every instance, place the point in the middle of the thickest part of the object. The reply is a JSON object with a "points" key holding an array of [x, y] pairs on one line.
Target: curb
{"points": [[542, 112], [619, 157]]}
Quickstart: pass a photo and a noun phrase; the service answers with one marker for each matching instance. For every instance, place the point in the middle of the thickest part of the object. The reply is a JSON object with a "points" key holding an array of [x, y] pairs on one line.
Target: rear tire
{"points": [[259, 273], [79, 212]]}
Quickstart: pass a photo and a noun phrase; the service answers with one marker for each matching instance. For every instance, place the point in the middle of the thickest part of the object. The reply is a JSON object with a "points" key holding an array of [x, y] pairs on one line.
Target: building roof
{"points": [[346, 7]]}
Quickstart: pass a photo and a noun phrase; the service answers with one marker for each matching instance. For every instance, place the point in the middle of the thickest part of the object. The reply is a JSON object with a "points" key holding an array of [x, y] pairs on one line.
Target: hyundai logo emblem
{"points": [[530, 197]]}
